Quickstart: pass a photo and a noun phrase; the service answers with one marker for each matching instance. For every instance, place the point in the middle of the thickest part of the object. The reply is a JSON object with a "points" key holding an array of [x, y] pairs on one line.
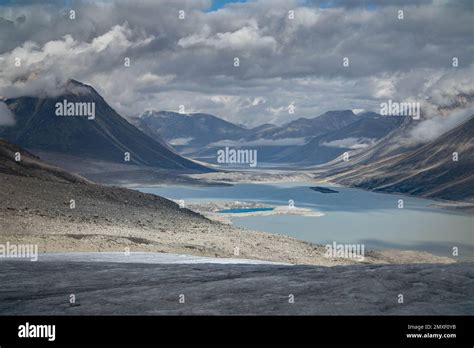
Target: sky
{"points": [[218, 4], [284, 59]]}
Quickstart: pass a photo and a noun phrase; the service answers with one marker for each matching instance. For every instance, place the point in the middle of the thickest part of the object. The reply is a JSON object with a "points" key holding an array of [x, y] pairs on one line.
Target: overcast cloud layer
{"points": [[283, 61]]}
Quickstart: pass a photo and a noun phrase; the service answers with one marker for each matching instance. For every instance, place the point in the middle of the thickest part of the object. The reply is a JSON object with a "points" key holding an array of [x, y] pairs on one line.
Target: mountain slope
{"points": [[428, 171], [192, 130], [367, 129], [31, 166], [395, 143], [107, 137], [307, 127]]}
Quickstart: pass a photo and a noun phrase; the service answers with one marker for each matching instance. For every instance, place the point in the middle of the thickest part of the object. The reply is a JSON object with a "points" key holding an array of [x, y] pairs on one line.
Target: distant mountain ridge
{"points": [[304, 141], [171, 125], [308, 127]]}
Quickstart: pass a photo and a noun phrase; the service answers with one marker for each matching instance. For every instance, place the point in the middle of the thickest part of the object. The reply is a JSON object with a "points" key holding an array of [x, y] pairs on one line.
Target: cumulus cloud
{"points": [[243, 38], [190, 61], [44, 70], [449, 102], [433, 127], [6, 116], [447, 90]]}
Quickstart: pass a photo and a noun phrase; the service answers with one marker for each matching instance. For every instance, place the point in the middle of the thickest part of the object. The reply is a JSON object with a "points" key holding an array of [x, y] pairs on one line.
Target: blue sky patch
{"points": [[218, 4]]}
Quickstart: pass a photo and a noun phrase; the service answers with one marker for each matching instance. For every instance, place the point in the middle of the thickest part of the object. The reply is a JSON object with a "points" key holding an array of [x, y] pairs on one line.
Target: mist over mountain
{"points": [[104, 136]]}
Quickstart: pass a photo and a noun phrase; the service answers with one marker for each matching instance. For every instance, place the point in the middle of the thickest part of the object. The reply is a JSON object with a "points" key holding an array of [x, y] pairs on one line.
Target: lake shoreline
{"points": [[302, 222], [116, 219], [216, 211], [286, 176]]}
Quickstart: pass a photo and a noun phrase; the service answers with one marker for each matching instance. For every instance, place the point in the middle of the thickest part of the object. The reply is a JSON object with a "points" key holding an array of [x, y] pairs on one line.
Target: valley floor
{"points": [[39, 212]]}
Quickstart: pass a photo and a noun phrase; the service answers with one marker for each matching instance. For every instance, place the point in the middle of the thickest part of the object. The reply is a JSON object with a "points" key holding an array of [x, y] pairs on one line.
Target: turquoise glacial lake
{"points": [[244, 210], [352, 216]]}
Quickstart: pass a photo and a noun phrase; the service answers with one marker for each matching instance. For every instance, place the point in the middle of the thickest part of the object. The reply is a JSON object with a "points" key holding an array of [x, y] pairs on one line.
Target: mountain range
{"points": [[381, 158], [304, 141], [106, 136]]}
